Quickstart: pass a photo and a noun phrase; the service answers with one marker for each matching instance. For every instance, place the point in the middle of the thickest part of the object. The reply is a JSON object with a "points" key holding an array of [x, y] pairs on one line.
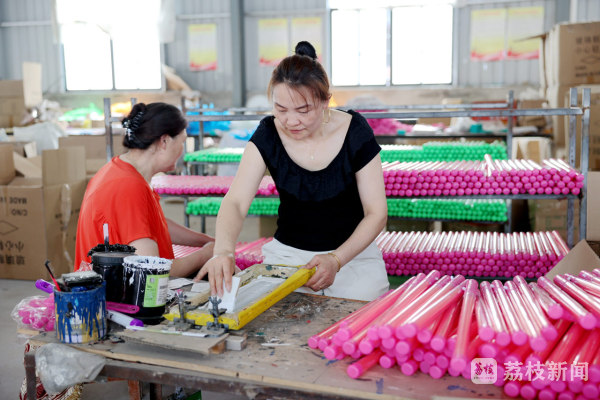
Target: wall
{"points": [[26, 35]]}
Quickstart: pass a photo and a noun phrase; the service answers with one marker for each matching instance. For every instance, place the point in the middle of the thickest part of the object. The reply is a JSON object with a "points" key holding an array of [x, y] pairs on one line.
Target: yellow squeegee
{"points": [[295, 277]]}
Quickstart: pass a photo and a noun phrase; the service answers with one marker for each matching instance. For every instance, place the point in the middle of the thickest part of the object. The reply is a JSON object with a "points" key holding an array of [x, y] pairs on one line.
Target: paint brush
{"points": [[51, 272], [105, 231]]}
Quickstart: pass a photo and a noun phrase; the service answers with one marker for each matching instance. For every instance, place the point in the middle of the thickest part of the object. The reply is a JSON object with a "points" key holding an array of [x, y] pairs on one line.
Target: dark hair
{"points": [[302, 69], [146, 123]]}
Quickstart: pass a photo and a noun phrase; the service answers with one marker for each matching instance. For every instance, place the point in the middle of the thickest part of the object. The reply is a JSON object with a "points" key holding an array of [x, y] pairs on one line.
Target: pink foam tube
{"points": [[424, 336], [565, 346], [313, 341], [409, 367], [594, 367], [588, 276], [534, 310], [517, 334], [446, 327], [484, 328], [432, 308], [358, 368], [495, 315], [528, 391], [512, 388], [332, 351], [387, 361], [526, 317], [583, 316], [402, 308], [590, 286], [548, 304], [562, 326], [591, 303], [459, 361], [350, 327], [405, 346]]}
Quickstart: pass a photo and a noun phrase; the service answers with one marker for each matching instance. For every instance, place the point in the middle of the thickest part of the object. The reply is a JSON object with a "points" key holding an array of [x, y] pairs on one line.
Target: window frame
{"points": [[389, 49]]}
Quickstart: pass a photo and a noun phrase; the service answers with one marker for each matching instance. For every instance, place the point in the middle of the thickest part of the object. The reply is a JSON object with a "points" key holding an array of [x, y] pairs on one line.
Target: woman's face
{"points": [[298, 113], [174, 149]]}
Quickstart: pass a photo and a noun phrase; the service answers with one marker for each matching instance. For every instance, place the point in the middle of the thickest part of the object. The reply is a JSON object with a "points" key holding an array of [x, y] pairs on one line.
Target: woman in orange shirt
{"points": [[120, 193]]}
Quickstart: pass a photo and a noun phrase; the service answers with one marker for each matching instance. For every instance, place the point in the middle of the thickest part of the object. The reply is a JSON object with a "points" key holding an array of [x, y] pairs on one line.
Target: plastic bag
{"points": [[35, 312], [60, 366]]}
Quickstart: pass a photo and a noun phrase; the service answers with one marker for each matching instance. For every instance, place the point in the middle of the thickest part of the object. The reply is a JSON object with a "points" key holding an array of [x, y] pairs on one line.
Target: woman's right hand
{"points": [[219, 268]]}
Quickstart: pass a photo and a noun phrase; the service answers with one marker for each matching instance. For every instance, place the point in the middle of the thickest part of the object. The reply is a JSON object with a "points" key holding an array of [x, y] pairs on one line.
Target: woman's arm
{"points": [[181, 267], [372, 195], [231, 217], [185, 236]]}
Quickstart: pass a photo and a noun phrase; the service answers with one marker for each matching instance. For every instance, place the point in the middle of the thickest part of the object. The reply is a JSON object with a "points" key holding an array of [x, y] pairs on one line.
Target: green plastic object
{"points": [[82, 113], [449, 209]]}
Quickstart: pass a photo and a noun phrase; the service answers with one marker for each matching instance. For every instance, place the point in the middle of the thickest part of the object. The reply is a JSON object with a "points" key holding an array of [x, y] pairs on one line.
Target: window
{"points": [[391, 42], [110, 44]]}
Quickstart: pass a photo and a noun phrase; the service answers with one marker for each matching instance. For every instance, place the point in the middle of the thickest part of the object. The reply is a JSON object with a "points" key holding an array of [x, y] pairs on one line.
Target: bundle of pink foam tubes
{"points": [[487, 254], [487, 177], [543, 337], [204, 185]]}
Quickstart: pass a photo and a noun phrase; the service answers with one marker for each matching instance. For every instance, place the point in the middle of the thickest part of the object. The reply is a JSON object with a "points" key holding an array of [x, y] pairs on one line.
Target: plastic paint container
{"points": [[81, 315], [146, 281], [108, 262]]}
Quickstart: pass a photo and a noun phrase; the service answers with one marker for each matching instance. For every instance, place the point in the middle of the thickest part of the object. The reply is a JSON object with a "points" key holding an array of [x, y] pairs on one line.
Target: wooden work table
{"points": [[276, 363]]}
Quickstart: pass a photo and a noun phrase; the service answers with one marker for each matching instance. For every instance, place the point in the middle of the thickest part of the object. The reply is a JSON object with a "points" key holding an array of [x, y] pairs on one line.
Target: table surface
{"points": [[277, 356]]}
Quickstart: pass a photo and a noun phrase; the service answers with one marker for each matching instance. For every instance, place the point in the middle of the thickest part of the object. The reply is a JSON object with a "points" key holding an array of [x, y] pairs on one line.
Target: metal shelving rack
{"points": [[465, 110]]}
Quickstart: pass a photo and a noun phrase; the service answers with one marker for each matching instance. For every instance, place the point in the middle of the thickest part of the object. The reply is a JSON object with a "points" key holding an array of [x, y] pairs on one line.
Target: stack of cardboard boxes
{"points": [[39, 211], [570, 57]]}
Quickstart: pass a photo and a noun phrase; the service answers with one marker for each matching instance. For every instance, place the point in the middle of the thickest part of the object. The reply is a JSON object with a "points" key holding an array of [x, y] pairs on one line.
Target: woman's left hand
{"points": [[326, 268]]}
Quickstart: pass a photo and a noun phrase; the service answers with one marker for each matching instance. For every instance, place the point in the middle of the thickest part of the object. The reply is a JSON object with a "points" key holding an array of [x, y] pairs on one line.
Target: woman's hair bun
{"points": [[304, 48]]}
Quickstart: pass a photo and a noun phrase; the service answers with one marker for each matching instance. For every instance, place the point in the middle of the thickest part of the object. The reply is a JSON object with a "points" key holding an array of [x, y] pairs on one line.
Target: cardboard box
{"points": [[594, 151], [551, 215], [17, 95], [531, 120], [581, 257], [38, 216], [555, 95], [12, 103], [536, 149], [95, 148], [570, 54], [593, 211], [442, 120]]}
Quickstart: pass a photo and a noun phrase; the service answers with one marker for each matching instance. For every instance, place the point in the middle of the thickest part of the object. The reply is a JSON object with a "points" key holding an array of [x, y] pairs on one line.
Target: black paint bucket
{"points": [[108, 262], [146, 285]]}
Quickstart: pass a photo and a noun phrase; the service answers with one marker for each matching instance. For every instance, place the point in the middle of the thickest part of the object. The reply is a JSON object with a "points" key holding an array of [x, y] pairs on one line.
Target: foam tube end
{"points": [[354, 371]]}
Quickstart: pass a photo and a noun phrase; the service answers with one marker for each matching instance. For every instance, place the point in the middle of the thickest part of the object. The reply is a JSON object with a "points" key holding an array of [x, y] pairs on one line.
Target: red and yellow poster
{"points": [[202, 47], [524, 22], [488, 34], [273, 41]]}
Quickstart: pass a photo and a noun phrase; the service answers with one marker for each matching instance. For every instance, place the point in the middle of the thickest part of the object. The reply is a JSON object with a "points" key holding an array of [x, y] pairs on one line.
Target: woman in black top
{"points": [[327, 169]]}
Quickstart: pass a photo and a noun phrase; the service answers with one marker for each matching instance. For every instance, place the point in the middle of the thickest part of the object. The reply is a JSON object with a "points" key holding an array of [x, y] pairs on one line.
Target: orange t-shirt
{"points": [[120, 196]]}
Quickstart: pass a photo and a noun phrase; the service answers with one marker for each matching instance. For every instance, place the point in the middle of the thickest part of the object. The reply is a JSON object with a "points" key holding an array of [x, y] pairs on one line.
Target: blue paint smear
{"points": [[379, 384], [455, 387], [272, 352], [80, 316], [331, 362]]}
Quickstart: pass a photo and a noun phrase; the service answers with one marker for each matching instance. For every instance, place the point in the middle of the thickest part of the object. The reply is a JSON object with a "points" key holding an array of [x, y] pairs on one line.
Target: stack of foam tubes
{"points": [[472, 254], [437, 324], [204, 185], [484, 254], [443, 151], [246, 253], [488, 177]]}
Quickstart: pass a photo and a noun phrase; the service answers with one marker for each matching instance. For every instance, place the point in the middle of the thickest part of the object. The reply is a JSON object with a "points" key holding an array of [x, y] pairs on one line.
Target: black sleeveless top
{"points": [[319, 210]]}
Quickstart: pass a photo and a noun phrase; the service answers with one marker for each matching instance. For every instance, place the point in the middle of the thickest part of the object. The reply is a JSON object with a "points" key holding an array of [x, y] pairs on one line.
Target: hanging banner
{"points": [[524, 22], [202, 47], [487, 34], [309, 29], [273, 40]]}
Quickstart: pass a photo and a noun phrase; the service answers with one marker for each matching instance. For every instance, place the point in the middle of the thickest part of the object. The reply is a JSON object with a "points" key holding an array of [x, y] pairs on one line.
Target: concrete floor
{"points": [[12, 292]]}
